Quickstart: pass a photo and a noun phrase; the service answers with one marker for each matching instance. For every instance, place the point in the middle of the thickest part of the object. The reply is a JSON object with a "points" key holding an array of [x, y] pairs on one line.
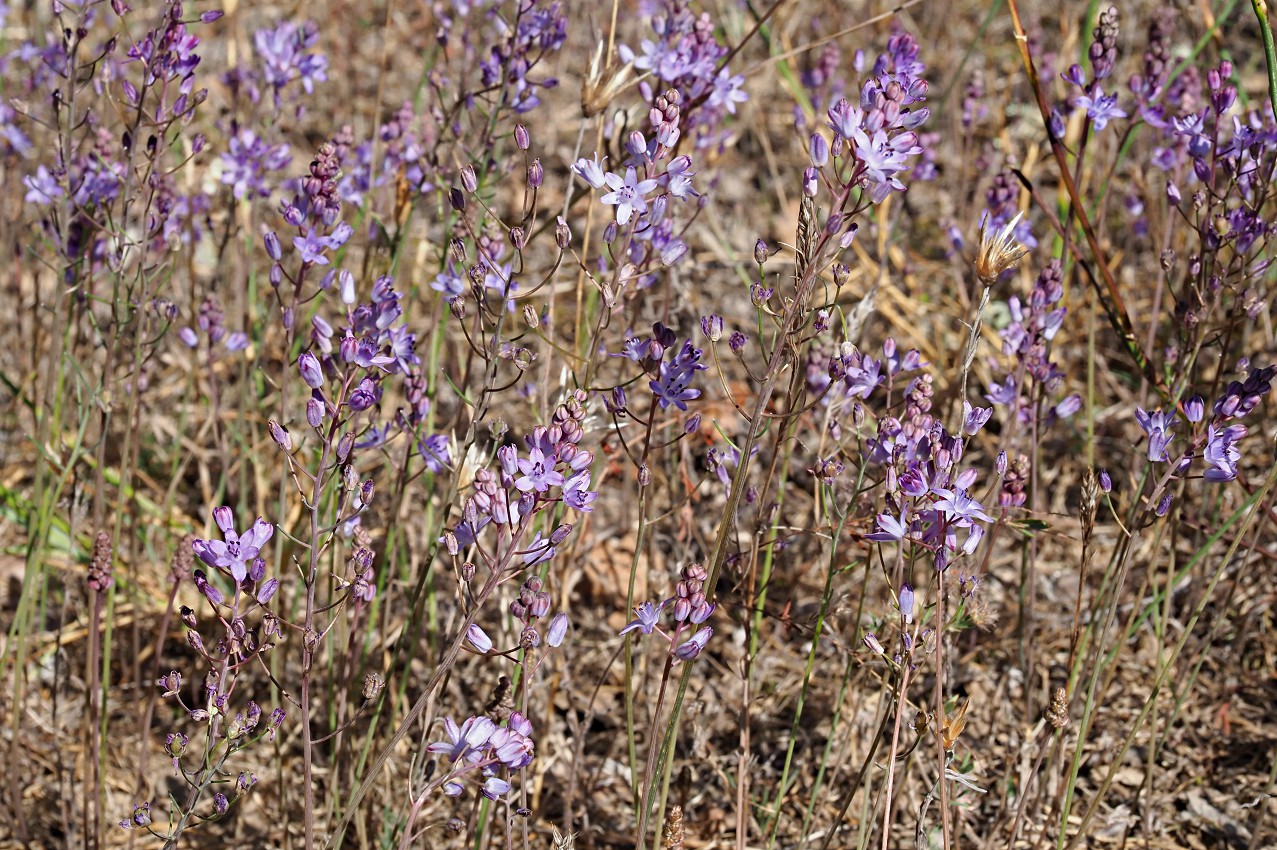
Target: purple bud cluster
{"points": [[533, 604], [689, 609], [928, 495], [1033, 379], [1002, 204], [210, 323], [552, 468], [541, 31]]}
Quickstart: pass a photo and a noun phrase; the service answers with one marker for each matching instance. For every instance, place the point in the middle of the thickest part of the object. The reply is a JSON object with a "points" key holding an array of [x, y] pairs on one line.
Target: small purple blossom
{"points": [[647, 614], [627, 194], [1158, 426]]}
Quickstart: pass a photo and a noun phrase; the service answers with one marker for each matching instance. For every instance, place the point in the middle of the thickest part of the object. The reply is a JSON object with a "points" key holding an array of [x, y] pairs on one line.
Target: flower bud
{"points": [[280, 435], [810, 182], [479, 639], [468, 179], [272, 245], [314, 412], [312, 373], [558, 629], [521, 137]]}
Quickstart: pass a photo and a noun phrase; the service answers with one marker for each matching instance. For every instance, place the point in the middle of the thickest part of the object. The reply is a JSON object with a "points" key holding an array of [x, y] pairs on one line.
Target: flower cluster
{"points": [[248, 163], [552, 468], [285, 55], [480, 746], [928, 496], [874, 140], [236, 556], [1218, 441], [671, 384], [685, 55], [650, 228], [847, 374], [1100, 108], [689, 609], [1026, 340]]}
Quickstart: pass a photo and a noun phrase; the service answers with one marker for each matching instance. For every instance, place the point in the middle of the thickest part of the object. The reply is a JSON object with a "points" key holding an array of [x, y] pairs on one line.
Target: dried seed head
{"points": [[601, 86], [1057, 714], [674, 829], [100, 567], [998, 251], [1089, 502], [563, 842], [373, 683]]}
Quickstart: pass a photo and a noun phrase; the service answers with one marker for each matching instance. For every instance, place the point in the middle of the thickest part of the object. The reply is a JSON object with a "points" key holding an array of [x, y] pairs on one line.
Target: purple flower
{"points": [[591, 171], [627, 194], [42, 188], [889, 529], [494, 788], [576, 492], [464, 740], [959, 508], [647, 614], [1221, 453], [906, 603], [1158, 426], [538, 471], [1068, 406], [672, 386], [234, 553], [247, 163], [434, 451], [312, 247], [974, 418], [558, 629], [728, 91], [282, 51], [1101, 108], [845, 119]]}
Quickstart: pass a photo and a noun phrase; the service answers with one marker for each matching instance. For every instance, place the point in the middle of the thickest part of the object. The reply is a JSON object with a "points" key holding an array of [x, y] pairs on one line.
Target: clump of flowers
{"points": [[688, 609], [479, 750], [1217, 440]]}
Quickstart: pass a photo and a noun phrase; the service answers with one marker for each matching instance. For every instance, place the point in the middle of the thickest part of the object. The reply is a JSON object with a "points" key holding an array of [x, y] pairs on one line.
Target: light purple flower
{"points": [[1158, 426], [647, 614], [889, 529], [234, 552], [627, 194], [558, 629], [1101, 108]]}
